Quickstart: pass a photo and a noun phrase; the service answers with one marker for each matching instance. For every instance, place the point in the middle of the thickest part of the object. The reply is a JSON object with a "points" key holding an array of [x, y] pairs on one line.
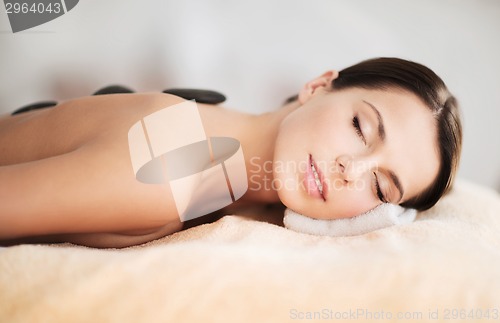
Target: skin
{"points": [[65, 172], [353, 161]]}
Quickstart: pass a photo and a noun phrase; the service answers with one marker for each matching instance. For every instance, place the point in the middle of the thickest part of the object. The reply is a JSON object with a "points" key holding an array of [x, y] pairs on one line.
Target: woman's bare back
{"points": [[66, 174]]}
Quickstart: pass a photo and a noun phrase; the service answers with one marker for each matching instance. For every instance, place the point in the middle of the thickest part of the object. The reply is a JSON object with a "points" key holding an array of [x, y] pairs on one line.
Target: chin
{"points": [[289, 191]]}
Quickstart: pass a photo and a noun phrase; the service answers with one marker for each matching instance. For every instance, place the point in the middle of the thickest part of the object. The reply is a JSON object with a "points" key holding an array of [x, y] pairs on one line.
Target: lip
{"points": [[310, 182]]}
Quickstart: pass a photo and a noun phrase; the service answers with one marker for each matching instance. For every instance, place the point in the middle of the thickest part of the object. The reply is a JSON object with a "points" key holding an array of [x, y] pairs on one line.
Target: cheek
{"points": [[343, 140], [354, 199], [326, 137], [291, 133], [348, 204]]}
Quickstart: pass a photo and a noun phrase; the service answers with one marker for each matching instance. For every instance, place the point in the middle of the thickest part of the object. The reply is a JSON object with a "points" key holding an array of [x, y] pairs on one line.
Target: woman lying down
{"points": [[123, 169]]}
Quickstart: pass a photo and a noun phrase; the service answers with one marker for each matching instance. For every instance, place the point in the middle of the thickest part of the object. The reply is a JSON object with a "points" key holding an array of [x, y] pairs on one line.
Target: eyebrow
{"points": [[381, 134], [381, 128]]}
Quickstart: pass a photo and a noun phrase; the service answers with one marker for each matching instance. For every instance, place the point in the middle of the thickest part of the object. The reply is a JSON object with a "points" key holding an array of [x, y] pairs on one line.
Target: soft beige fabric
{"points": [[242, 269]]}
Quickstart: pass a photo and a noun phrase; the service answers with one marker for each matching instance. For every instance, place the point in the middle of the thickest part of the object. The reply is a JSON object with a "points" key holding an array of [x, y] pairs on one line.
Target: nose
{"points": [[350, 168]]}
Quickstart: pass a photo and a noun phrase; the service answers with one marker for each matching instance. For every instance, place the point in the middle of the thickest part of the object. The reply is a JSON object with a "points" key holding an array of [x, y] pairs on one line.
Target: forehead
{"points": [[410, 148]]}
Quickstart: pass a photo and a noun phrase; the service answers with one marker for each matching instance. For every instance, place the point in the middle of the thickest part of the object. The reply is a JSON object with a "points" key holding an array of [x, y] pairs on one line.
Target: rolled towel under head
{"points": [[382, 216]]}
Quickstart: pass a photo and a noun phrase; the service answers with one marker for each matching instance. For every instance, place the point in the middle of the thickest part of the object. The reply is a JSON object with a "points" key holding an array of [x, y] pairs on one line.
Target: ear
{"points": [[323, 82]]}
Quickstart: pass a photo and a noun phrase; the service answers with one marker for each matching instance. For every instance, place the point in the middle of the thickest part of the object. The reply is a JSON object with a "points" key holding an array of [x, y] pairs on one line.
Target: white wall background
{"points": [[259, 52]]}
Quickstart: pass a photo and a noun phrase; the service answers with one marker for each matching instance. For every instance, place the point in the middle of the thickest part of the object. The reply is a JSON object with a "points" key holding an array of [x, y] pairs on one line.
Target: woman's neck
{"points": [[257, 135]]}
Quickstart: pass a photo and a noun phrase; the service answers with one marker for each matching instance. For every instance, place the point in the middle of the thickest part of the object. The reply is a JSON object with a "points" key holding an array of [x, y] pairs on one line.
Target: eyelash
{"points": [[379, 191], [357, 127]]}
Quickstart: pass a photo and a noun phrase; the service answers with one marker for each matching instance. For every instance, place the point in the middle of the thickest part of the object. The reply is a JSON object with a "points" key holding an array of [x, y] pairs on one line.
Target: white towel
{"points": [[382, 216]]}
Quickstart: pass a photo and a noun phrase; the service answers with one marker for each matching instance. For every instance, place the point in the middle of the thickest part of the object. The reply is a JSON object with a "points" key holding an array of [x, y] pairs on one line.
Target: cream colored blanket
{"points": [[443, 267]]}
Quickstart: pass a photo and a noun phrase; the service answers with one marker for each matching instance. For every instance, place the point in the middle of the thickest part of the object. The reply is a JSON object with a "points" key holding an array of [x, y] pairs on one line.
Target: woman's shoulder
{"points": [[110, 111], [144, 101], [73, 123]]}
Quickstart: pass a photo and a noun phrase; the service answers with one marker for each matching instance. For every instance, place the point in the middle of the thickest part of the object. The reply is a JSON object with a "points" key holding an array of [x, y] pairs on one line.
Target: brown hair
{"points": [[385, 73]]}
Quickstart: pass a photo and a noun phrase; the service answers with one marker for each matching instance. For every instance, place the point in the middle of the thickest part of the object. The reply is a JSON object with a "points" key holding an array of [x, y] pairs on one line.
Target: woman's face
{"points": [[367, 147]]}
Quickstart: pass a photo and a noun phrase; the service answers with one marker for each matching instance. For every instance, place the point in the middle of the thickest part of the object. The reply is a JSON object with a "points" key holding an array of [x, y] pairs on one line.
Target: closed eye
{"points": [[380, 195], [357, 128]]}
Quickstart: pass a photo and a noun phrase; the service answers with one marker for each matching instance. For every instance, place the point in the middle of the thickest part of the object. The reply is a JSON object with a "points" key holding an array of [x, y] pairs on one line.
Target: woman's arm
{"points": [[69, 198], [91, 189]]}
